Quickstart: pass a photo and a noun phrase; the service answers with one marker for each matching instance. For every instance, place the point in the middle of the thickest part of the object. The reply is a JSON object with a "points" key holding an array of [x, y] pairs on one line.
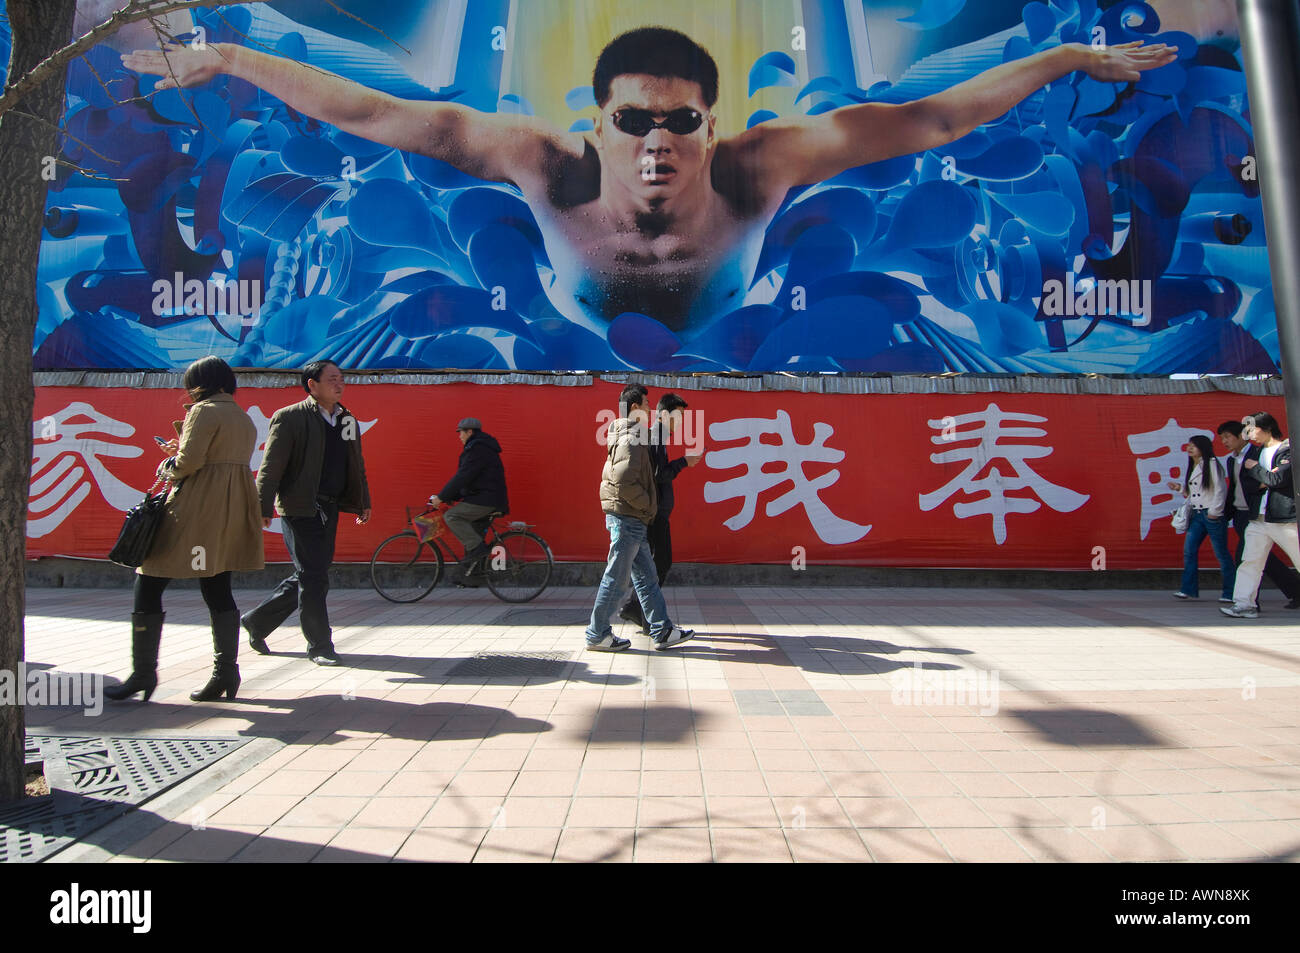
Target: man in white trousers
{"points": [[1276, 520]]}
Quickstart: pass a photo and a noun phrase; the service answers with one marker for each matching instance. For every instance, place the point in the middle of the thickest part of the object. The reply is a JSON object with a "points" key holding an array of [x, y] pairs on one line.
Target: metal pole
{"points": [[1270, 47]]}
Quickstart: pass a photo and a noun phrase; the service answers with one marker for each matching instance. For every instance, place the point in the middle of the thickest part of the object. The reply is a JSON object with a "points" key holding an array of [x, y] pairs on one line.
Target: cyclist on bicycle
{"points": [[478, 489]]}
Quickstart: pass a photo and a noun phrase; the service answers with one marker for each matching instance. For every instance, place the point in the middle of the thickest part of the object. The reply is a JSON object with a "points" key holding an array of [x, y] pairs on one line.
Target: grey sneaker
{"points": [[1182, 595], [676, 637], [1239, 613], [610, 643]]}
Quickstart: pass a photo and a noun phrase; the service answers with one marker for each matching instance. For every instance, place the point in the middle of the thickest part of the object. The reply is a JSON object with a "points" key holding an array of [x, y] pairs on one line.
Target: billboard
{"points": [[987, 480], [910, 186]]}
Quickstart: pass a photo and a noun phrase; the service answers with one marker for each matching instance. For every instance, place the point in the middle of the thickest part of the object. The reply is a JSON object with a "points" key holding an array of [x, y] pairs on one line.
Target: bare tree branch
{"points": [[104, 86], [63, 132], [158, 32], [348, 13], [133, 12]]}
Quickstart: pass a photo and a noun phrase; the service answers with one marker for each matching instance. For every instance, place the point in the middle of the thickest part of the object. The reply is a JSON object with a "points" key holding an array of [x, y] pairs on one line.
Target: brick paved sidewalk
{"points": [[801, 724]]}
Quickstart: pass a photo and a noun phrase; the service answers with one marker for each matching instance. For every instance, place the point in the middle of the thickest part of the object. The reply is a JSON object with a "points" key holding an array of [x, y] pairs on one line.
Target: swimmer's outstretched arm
{"points": [[500, 147], [800, 151]]}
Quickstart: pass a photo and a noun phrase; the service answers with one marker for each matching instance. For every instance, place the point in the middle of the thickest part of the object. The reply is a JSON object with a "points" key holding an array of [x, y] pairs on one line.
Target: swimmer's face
{"points": [[654, 134]]}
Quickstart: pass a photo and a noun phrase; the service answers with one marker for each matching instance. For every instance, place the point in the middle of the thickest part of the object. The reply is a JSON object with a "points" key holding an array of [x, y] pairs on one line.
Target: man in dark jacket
{"points": [[478, 489], [1276, 519], [313, 470], [661, 539], [1244, 496]]}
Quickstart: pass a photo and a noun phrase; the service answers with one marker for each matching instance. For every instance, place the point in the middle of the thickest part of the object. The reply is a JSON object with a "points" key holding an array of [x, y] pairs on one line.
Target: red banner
{"points": [[1030, 481]]}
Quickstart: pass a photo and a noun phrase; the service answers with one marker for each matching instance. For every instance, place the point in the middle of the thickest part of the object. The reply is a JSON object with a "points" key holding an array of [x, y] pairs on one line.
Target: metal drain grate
{"points": [[513, 665], [94, 780]]}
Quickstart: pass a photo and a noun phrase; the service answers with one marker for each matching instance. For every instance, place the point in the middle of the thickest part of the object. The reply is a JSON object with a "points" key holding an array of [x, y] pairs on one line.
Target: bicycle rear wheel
{"points": [[519, 566], [403, 569]]}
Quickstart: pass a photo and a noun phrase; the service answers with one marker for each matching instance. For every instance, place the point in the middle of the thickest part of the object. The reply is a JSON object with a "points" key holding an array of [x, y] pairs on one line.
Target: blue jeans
{"points": [[629, 556], [1199, 526]]}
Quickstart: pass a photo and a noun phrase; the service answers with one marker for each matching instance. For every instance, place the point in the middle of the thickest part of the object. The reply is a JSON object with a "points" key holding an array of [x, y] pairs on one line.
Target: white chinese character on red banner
{"points": [[1160, 457], [755, 481], [263, 425], [996, 486], [65, 462]]}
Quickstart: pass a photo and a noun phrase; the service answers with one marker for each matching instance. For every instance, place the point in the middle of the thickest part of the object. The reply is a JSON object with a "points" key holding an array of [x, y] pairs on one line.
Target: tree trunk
{"points": [[39, 28]]}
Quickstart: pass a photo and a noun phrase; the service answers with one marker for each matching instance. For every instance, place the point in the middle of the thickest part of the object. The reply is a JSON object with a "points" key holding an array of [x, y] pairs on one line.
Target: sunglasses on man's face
{"points": [[639, 122]]}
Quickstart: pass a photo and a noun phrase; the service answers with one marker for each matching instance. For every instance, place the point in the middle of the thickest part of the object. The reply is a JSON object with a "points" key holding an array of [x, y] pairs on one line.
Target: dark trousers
{"points": [[310, 540], [1276, 571], [661, 548], [216, 593]]}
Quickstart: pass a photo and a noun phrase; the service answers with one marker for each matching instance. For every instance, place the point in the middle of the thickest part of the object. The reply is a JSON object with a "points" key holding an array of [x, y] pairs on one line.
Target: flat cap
{"points": [[470, 423]]}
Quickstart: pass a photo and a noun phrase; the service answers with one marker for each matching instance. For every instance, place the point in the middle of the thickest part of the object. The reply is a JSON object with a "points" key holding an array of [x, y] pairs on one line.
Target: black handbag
{"points": [[139, 529]]}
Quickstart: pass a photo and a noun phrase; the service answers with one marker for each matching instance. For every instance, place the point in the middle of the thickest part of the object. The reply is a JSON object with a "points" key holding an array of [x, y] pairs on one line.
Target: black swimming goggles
{"points": [[639, 122]]}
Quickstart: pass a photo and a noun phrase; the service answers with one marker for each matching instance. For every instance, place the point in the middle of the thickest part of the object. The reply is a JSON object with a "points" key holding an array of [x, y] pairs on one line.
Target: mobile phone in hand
{"points": [[160, 441]]}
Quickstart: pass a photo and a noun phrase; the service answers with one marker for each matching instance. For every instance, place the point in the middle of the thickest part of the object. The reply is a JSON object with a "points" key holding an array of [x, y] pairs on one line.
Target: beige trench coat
{"points": [[213, 522]]}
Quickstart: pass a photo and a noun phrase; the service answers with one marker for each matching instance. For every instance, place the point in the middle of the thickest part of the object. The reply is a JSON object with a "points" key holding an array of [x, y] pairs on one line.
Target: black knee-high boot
{"points": [[146, 634], [225, 649]]}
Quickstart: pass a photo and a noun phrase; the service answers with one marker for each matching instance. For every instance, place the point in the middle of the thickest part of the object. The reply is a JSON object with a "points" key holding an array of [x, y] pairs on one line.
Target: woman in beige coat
{"points": [[211, 527]]}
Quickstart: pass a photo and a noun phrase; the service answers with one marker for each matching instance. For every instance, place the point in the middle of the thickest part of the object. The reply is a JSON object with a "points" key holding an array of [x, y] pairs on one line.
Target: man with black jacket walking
{"points": [[478, 489], [1276, 519], [312, 470], [1244, 496]]}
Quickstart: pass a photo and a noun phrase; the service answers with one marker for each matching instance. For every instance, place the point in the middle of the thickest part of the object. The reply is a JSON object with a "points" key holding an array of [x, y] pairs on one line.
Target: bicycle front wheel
{"points": [[403, 569], [518, 567]]}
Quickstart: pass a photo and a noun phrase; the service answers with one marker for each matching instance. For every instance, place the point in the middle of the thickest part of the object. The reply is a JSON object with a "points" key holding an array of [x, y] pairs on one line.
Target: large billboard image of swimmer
{"points": [[1064, 187]]}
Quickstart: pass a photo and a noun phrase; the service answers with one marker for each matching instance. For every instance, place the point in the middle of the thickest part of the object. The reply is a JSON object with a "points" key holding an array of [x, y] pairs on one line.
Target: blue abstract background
{"points": [[925, 263]]}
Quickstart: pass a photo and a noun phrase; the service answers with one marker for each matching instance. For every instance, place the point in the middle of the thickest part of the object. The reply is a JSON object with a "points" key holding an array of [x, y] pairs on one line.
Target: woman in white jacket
{"points": [[1206, 489]]}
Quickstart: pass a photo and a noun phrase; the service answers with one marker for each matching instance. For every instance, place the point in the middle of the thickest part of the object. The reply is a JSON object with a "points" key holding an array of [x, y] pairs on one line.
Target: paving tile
{"points": [[254, 810], [212, 845], [585, 846], [518, 846], [668, 845], [321, 811], [1206, 841], [417, 784], [796, 812], [750, 846], [747, 812], [356, 783], [402, 812], [676, 812], [545, 783], [903, 845], [949, 812], [475, 812], [602, 812], [735, 783], [441, 845], [533, 812], [609, 783], [812, 845], [355, 845], [670, 783], [981, 846], [1059, 845]]}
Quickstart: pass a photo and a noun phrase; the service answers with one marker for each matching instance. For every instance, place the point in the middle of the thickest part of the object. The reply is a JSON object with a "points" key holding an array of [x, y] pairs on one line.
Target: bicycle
{"points": [[408, 565]]}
